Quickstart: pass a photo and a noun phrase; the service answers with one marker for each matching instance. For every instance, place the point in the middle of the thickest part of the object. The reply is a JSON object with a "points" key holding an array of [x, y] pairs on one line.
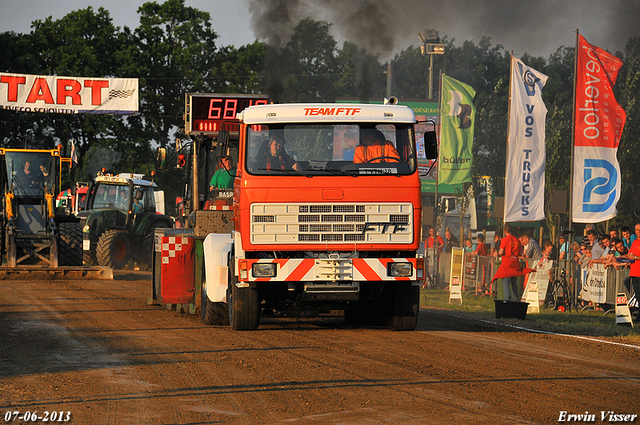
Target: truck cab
{"points": [[327, 211]]}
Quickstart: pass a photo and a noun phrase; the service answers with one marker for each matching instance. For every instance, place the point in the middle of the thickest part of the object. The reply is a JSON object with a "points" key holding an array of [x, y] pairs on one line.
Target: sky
{"points": [[385, 27]]}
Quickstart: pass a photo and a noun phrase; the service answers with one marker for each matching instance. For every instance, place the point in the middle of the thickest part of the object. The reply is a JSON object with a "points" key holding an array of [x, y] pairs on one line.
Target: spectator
{"points": [[468, 246], [510, 250], [431, 240], [578, 251], [481, 248], [613, 234], [619, 252], [584, 261], [496, 244], [564, 245], [600, 248], [635, 236], [548, 254], [634, 273], [450, 241], [585, 238], [531, 247], [626, 236], [592, 237]]}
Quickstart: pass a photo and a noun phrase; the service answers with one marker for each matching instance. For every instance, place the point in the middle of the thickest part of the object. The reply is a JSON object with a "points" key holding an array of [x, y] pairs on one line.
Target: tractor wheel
{"points": [[244, 304], [70, 244], [88, 258], [114, 249]]}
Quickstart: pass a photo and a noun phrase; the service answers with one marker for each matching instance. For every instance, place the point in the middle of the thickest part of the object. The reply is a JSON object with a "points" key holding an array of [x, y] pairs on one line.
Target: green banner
{"points": [[456, 132]]}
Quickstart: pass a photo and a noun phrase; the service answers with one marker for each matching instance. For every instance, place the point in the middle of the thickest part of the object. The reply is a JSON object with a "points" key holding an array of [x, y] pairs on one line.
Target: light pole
{"points": [[430, 46]]}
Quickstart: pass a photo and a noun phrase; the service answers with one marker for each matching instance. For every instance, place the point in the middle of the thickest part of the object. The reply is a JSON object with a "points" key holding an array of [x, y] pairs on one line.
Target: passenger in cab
{"points": [[374, 148]]}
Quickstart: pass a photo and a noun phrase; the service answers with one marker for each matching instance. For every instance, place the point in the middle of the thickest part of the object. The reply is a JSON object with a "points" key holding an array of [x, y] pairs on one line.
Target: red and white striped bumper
{"points": [[329, 270]]}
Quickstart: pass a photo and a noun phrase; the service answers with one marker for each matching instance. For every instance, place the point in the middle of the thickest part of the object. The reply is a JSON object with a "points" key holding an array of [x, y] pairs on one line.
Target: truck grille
{"points": [[332, 223]]}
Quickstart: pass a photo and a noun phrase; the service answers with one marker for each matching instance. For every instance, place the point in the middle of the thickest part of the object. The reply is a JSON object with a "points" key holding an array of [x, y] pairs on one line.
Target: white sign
{"points": [[539, 278], [455, 274], [532, 298], [594, 286], [623, 315], [68, 95]]}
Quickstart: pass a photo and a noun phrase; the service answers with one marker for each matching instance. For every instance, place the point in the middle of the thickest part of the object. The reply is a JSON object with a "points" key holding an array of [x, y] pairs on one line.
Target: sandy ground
{"points": [[94, 352]]}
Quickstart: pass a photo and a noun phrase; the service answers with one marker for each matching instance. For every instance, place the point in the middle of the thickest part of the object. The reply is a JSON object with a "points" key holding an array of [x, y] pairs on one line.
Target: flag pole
{"points": [[573, 129], [435, 203], [504, 212], [573, 147]]}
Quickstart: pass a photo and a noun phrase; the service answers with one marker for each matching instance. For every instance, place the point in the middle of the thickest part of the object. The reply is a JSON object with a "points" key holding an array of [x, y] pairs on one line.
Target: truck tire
{"points": [[70, 244], [244, 304], [405, 307], [216, 314], [113, 249]]}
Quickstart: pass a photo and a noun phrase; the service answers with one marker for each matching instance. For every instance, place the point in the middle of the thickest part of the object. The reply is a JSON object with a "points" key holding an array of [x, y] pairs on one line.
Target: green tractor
{"points": [[119, 221]]}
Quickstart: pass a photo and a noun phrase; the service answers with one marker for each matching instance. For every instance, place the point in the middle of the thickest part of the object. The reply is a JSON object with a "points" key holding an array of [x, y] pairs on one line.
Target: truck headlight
{"points": [[85, 229], [399, 269], [263, 270]]}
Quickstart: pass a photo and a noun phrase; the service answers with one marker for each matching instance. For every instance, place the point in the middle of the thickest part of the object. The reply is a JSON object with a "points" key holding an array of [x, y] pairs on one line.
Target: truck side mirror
{"points": [[161, 158], [430, 144]]}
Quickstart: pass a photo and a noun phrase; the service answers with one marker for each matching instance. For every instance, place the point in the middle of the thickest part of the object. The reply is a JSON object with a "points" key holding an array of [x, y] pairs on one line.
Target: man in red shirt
{"points": [[510, 250], [481, 248], [432, 238], [634, 269]]}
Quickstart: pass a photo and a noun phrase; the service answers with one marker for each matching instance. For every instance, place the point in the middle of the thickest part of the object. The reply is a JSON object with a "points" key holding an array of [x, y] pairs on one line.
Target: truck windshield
{"points": [[331, 149], [31, 173]]}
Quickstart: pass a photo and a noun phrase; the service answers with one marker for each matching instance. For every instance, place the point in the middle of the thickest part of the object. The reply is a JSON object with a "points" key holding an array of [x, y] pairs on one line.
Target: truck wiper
{"points": [[290, 172], [330, 171]]}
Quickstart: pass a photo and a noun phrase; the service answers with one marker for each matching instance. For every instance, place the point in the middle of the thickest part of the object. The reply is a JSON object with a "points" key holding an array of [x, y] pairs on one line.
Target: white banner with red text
{"points": [[68, 95], [524, 183], [599, 121]]}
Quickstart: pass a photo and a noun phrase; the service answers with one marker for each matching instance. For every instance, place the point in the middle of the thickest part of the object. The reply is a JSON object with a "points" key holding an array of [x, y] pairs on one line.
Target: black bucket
{"points": [[511, 309]]}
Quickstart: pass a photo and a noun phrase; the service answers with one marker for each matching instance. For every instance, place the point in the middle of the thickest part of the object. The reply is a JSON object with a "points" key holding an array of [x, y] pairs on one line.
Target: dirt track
{"points": [[97, 350]]}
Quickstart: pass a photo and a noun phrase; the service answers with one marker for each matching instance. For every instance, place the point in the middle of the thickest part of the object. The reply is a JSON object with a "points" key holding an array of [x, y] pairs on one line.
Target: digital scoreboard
{"points": [[210, 113]]}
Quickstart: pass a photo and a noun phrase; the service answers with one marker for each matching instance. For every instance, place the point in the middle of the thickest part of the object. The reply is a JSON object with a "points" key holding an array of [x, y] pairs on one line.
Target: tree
{"points": [[174, 55], [628, 95]]}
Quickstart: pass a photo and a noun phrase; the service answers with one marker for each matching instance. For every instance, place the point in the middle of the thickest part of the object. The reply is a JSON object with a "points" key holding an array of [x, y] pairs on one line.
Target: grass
{"points": [[586, 323]]}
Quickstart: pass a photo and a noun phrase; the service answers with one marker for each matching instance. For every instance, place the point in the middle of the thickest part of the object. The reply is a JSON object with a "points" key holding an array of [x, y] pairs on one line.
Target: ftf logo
{"points": [[595, 183]]}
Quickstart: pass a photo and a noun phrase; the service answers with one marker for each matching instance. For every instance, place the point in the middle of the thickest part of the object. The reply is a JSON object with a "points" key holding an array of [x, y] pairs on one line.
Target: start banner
{"points": [[68, 95]]}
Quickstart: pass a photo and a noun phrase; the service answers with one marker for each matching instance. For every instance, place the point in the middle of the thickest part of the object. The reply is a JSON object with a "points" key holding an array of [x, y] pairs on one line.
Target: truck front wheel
{"points": [[113, 249], [404, 307], [244, 304]]}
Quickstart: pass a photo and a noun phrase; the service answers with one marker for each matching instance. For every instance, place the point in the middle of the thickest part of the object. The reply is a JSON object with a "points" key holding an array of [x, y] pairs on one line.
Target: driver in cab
{"points": [[374, 148]]}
